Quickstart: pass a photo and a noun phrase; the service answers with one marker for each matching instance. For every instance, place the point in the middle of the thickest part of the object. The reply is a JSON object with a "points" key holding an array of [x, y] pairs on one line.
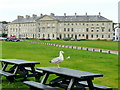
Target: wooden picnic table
{"points": [[15, 68], [68, 77]]}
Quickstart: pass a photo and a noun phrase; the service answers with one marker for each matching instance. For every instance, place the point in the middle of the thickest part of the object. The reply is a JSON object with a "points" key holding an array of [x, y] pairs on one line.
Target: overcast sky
{"points": [[10, 9]]}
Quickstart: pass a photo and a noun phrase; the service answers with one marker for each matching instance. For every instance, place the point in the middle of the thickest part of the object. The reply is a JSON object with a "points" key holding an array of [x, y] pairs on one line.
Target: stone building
{"points": [[90, 27], [3, 28]]}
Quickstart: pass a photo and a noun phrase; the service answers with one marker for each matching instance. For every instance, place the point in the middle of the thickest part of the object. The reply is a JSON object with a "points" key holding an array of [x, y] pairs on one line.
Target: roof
{"points": [[65, 18], [82, 18], [23, 20]]}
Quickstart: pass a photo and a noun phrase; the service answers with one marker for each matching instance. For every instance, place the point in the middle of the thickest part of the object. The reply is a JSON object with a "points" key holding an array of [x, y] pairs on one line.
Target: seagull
{"points": [[68, 58], [59, 59]]}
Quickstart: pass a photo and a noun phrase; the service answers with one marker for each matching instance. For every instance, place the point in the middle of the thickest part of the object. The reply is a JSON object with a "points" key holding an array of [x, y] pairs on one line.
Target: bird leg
{"points": [[58, 65]]}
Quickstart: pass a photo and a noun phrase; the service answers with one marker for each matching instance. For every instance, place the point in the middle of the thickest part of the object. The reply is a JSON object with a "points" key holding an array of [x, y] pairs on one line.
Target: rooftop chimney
{"points": [[64, 14], [52, 14], [99, 14], [20, 17], [86, 13], [75, 14], [27, 16], [34, 15]]}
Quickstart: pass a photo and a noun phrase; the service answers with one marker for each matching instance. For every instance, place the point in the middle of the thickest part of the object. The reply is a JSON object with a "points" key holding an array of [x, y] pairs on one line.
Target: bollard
{"points": [[109, 51]]}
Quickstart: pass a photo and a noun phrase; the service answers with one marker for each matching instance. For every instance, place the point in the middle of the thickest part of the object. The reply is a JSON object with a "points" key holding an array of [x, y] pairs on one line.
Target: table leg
{"points": [[44, 79], [90, 84], [16, 69], [4, 67], [71, 84]]}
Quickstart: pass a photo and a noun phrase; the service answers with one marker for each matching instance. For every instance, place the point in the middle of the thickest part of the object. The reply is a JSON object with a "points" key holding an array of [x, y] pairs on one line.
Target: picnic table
{"points": [[15, 68], [67, 78]]}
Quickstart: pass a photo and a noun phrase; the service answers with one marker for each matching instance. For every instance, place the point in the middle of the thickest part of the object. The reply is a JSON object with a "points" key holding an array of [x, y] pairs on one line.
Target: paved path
{"points": [[76, 47]]}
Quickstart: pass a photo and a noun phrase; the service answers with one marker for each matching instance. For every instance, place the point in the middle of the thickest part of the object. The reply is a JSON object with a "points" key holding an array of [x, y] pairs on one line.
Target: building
{"points": [[3, 28], [91, 27], [116, 32]]}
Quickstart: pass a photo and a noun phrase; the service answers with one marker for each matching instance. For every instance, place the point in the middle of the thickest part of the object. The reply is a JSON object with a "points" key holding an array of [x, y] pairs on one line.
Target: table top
{"points": [[17, 61], [69, 72]]}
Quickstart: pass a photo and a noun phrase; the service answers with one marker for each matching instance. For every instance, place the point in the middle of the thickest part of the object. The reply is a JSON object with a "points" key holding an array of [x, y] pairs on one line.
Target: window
{"points": [[102, 23], [79, 35], [38, 35], [102, 36], [86, 29], [83, 35], [91, 30], [102, 29], [109, 30], [96, 36], [72, 35], [38, 29], [68, 29], [72, 29], [43, 35], [53, 35], [68, 35], [109, 36], [92, 36], [48, 35], [64, 29]]}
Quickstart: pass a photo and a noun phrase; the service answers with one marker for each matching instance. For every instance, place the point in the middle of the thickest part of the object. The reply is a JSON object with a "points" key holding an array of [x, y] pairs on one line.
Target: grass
{"points": [[109, 45], [103, 63]]}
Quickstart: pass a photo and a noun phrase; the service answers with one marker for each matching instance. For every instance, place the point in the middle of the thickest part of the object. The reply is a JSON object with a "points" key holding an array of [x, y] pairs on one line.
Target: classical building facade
{"points": [[90, 27], [3, 28]]}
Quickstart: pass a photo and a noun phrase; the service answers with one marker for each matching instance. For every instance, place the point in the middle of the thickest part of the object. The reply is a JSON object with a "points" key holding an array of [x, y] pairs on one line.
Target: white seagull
{"points": [[59, 59]]}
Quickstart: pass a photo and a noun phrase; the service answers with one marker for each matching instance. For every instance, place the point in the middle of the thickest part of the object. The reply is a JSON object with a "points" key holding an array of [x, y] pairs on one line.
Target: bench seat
{"points": [[38, 85], [7, 74], [97, 87]]}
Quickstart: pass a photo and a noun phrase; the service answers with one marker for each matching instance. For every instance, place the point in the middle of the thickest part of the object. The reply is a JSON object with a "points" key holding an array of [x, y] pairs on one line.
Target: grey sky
{"points": [[11, 8]]}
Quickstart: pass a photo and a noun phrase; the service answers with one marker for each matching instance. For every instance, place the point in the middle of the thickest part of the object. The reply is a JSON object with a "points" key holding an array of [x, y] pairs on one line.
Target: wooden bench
{"points": [[36, 85], [97, 87], [7, 74]]}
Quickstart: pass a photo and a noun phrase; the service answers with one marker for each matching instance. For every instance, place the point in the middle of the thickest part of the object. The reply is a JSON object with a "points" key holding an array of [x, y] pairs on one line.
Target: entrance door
{"points": [[87, 37]]}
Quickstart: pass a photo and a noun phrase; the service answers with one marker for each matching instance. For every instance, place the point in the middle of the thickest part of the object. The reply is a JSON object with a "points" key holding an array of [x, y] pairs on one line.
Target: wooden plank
{"points": [[39, 85], [96, 86], [6, 73]]}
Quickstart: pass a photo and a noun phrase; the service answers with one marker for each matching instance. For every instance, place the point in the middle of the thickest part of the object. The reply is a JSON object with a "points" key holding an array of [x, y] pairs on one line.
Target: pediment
{"points": [[46, 17]]}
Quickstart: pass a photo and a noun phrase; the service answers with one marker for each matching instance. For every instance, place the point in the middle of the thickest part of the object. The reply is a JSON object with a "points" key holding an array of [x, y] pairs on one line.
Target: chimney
{"points": [[52, 14], [20, 17], [34, 15], [86, 13], [99, 14], [64, 14], [75, 14], [27, 16]]}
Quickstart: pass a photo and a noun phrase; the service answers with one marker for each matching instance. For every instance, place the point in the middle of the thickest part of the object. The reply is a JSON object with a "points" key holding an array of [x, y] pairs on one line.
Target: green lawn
{"points": [[109, 45], [103, 63]]}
